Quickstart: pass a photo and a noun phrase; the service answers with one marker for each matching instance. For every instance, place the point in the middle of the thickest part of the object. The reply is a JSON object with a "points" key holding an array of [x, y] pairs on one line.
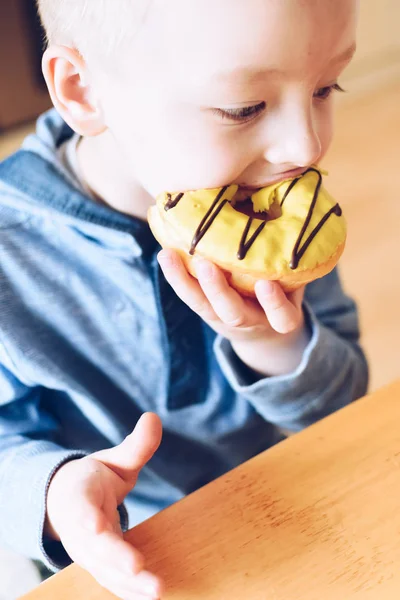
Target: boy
{"points": [[163, 95]]}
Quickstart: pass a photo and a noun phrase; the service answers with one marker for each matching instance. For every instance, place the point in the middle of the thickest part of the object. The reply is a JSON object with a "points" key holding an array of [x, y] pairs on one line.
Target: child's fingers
{"points": [[185, 286], [226, 302], [143, 585], [282, 315], [147, 583], [88, 548], [110, 548], [113, 562], [89, 533], [139, 587]]}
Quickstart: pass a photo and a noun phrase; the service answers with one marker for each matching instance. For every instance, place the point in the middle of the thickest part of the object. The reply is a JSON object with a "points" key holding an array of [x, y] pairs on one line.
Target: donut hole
{"points": [[246, 207]]}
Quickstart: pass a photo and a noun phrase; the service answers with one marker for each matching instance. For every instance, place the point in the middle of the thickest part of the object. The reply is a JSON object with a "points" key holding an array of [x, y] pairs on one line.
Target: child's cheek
{"points": [[197, 158]]}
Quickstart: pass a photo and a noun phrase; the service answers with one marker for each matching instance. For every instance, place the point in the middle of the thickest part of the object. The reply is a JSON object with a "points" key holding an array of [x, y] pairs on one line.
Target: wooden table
{"points": [[316, 517]]}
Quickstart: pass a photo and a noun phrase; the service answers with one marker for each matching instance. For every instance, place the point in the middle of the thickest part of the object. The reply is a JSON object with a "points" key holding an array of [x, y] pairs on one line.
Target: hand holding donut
{"points": [[267, 333], [252, 257]]}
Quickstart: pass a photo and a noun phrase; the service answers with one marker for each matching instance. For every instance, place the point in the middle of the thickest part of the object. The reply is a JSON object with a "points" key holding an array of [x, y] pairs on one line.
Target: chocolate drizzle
{"points": [[172, 202], [208, 219], [290, 187], [298, 252], [245, 244]]}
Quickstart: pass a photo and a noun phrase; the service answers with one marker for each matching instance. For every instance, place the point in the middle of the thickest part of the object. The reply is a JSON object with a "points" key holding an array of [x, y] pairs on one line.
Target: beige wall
{"points": [[378, 56]]}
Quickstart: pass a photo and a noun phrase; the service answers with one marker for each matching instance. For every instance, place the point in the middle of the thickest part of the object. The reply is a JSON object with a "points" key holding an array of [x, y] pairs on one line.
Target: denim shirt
{"points": [[92, 336]]}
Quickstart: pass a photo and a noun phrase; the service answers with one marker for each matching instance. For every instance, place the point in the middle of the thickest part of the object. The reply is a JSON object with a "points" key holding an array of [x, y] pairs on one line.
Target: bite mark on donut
{"points": [[246, 207]]}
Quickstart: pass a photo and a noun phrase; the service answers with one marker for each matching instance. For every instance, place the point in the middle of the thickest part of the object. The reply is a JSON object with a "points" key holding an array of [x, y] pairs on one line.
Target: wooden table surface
{"points": [[316, 517]]}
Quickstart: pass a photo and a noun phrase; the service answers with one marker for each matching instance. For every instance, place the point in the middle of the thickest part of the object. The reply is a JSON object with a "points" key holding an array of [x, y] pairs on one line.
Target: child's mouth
{"points": [[248, 190]]}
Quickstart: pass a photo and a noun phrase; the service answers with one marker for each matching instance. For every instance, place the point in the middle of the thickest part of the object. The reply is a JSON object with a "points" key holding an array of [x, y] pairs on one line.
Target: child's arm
{"points": [[83, 492], [333, 371], [292, 379]]}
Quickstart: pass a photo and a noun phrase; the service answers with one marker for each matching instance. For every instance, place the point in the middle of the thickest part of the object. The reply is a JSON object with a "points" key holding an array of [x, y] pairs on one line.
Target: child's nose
{"points": [[294, 141]]}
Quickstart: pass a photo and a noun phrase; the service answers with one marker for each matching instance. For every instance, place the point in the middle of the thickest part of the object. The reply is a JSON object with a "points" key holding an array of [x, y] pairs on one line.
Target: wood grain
{"points": [[315, 517]]}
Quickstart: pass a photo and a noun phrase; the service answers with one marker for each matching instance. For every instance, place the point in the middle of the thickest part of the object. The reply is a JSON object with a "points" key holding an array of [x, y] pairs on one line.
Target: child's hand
{"points": [[268, 334], [82, 512]]}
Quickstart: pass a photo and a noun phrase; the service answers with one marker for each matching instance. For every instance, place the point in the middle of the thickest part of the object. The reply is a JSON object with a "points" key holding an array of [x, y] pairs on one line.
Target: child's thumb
{"points": [[135, 451]]}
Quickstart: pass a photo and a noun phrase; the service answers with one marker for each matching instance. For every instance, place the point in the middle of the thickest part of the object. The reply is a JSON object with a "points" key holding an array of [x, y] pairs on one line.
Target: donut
{"points": [[292, 231]]}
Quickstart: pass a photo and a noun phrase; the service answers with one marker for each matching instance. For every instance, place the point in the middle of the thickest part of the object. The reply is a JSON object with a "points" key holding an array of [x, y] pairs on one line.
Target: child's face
{"points": [[228, 91]]}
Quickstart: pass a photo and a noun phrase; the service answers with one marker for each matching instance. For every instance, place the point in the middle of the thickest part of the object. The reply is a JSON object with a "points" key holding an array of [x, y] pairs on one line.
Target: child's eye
{"points": [[324, 92], [241, 114]]}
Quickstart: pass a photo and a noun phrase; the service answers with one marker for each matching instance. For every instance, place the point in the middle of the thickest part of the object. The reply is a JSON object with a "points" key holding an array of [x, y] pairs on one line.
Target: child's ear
{"points": [[66, 75]]}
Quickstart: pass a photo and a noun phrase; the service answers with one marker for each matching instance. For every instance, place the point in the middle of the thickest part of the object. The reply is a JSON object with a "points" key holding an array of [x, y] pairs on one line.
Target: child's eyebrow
{"points": [[246, 74], [250, 75], [344, 56]]}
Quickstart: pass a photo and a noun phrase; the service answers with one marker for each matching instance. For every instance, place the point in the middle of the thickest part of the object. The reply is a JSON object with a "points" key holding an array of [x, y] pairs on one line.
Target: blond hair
{"points": [[93, 27]]}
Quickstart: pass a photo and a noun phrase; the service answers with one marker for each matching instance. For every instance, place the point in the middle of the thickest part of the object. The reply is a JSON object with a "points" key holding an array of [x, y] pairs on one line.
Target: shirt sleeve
{"points": [[29, 457], [332, 373]]}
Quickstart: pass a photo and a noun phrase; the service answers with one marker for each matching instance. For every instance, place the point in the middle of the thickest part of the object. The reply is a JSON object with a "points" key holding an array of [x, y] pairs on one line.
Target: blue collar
{"points": [[41, 181]]}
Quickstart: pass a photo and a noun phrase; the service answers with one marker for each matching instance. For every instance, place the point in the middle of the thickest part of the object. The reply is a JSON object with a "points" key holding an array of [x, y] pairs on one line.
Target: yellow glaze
{"points": [[272, 251]]}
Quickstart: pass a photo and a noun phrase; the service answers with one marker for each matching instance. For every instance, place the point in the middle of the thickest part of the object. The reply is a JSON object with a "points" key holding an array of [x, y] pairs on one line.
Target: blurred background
{"points": [[363, 167]]}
